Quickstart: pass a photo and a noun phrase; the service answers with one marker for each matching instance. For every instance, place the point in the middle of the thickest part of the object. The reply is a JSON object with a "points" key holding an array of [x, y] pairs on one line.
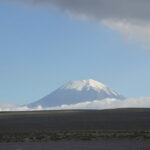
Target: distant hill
{"points": [[75, 92]]}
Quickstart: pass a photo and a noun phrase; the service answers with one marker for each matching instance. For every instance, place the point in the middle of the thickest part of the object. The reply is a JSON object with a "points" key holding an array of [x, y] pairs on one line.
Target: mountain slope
{"points": [[75, 92]]}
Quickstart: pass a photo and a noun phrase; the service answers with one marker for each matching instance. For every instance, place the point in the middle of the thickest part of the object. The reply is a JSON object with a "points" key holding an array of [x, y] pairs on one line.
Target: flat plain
{"points": [[79, 145], [75, 129]]}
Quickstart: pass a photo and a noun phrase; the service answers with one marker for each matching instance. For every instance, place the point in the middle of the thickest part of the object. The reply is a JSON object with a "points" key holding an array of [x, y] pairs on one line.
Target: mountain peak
{"points": [[80, 85], [75, 92]]}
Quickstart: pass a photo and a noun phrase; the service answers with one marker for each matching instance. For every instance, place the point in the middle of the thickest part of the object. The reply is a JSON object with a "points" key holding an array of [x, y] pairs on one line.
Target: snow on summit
{"points": [[88, 84], [79, 85], [76, 92]]}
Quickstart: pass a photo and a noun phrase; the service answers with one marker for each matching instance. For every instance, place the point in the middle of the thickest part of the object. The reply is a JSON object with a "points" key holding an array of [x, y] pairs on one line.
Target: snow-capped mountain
{"points": [[75, 92]]}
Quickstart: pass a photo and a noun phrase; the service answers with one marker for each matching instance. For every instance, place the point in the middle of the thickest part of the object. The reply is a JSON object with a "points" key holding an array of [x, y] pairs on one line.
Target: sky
{"points": [[46, 43]]}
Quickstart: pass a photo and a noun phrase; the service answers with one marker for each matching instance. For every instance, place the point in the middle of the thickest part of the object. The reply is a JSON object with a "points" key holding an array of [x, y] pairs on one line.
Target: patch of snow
{"points": [[79, 85]]}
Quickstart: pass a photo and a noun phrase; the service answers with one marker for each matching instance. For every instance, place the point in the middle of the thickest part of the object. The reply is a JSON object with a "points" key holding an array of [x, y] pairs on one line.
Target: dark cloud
{"points": [[131, 18], [99, 9]]}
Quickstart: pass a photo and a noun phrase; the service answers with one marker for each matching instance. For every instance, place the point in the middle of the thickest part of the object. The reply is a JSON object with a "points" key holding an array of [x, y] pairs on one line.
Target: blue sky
{"points": [[41, 49]]}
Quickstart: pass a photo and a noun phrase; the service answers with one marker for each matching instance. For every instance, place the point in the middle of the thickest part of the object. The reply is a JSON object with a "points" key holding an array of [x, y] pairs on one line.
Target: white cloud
{"points": [[109, 104], [132, 31], [11, 107], [97, 104]]}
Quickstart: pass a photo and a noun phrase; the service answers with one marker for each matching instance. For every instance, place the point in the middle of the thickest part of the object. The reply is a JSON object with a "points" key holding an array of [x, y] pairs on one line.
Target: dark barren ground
{"points": [[116, 129], [79, 145], [117, 119]]}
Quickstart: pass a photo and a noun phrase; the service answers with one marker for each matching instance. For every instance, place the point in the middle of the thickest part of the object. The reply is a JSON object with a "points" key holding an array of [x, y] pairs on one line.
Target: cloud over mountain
{"points": [[110, 103], [130, 17]]}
